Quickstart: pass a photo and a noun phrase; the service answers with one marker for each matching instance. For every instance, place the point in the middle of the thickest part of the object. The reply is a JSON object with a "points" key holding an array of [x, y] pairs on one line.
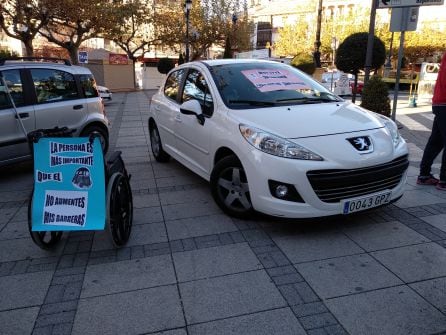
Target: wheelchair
{"points": [[119, 200]]}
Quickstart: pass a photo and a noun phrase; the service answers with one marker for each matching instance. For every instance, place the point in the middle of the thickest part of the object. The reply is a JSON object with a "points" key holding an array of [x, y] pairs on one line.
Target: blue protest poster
{"points": [[69, 185]]}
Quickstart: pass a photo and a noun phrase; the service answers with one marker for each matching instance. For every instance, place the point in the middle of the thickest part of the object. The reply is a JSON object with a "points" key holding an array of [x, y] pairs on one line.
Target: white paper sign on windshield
{"points": [[273, 80]]}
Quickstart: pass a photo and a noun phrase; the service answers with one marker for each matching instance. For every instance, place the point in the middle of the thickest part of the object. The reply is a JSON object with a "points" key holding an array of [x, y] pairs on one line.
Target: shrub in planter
{"points": [[165, 65], [375, 96], [304, 62]]}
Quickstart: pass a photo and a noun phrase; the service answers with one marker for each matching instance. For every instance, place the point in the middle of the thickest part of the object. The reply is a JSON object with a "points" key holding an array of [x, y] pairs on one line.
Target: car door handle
{"points": [[22, 115], [78, 106]]}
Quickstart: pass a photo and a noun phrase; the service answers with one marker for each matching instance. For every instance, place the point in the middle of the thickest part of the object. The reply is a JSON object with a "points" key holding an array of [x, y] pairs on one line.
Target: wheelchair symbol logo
{"points": [[82, 178]]}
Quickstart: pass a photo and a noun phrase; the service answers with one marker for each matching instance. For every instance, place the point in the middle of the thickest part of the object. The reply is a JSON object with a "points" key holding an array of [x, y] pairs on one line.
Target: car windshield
{"points": [[268, 84]]}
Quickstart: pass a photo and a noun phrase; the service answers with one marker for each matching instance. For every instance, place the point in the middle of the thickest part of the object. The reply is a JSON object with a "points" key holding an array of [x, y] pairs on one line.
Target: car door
{"points": [[59, 103], [165, 108], [13, 141], [194, 138]]}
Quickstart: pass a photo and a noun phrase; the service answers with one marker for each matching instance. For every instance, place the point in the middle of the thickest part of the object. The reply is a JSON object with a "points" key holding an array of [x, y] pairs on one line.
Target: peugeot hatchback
{"points": [[271, 139]]}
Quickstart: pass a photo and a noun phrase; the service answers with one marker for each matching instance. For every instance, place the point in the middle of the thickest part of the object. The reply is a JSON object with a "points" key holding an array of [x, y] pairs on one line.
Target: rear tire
{"points": [[119, 209], [100, 132], [157, 146], [230, 189]]}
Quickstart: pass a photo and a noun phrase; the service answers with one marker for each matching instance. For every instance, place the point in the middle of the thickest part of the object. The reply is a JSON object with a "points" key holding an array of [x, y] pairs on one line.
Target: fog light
{"points": [[281, 191], [284, 191]]}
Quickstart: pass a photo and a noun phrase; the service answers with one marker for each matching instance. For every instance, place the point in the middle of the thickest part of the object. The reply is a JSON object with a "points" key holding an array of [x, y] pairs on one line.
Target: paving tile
{"points": [[180, 331], [433, 291], [316, 245], [199, 226], [130, 275], [227, 296], [141, 234], [18, 321], [189, 210], [414, 263], [145, 200], [200, 194], [14, 230], [391, 311], [274, 322], [384, 235], [179, 179], [147, 215], [12, 195], [142, 183], [24, 248], [6, 214], [418, 197], [217, 261], [346, 275], [21, 214], [136, 312], [24, 290], [438, 221]]}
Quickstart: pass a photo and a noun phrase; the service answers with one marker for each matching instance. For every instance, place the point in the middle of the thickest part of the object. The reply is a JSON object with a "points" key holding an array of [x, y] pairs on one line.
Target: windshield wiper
{"points": [[306, 100], [253, 102]]}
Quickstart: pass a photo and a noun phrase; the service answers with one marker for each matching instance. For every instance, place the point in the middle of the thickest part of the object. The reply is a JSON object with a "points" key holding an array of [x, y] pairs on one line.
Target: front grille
{"points": [[334, 185]]}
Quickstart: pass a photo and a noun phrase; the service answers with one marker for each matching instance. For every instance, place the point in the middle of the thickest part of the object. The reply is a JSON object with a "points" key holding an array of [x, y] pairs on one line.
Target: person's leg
{"points": [[441, 116], [433, 148]]}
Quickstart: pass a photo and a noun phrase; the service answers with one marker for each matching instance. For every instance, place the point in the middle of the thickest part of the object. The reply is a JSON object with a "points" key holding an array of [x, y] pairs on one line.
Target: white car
{"points": [[271, 139], [104, 92]]}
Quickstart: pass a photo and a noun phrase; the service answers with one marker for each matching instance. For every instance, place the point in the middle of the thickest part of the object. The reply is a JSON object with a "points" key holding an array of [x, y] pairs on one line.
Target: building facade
{"points": [[270, 16]]}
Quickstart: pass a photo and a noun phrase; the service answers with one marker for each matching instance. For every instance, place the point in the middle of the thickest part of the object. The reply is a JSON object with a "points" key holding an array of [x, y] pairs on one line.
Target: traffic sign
{"points": [[408, 3], [404, 19], [82, 57]]}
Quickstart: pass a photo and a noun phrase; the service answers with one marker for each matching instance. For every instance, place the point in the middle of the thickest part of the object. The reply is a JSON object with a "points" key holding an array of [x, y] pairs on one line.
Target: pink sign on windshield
{"points": [[266, 80]]}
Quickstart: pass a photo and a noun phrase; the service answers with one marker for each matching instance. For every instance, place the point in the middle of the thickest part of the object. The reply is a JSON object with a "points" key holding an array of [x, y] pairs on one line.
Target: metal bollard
{"points": [[413, 101]]}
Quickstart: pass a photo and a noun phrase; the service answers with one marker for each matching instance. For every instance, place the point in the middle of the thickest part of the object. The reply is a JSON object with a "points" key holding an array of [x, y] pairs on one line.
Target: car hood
{"points": [[309, 120]]}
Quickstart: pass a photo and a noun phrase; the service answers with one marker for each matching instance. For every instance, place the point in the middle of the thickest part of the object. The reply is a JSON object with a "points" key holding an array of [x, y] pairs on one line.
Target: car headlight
{"points": [[393, 129], [275, 145]]}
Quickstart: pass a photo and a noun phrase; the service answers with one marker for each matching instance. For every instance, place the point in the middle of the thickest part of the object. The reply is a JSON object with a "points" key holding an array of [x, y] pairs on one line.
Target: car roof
{"points": [[12, 64], [213, 62]]}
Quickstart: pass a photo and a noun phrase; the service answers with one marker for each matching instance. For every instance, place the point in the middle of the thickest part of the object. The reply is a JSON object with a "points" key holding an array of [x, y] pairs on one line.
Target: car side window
{"points": [[88, 85], [197, 88], [173, 83], [14, 82], [54, 85]]}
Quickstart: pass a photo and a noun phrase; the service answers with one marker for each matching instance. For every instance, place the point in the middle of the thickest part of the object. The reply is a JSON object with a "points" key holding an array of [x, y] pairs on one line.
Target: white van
{"points": [[337, 82]]}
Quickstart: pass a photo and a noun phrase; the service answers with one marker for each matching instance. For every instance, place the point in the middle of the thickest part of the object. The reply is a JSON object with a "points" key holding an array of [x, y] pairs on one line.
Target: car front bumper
{"points": [[262, 168]]}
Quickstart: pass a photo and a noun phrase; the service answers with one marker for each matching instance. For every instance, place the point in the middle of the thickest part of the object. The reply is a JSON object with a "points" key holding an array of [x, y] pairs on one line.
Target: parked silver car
{"points": [[46, 94]]}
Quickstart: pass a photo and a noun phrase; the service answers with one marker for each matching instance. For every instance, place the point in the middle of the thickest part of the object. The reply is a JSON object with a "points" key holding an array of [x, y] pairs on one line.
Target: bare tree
{"points": [[22, 20], [133, 29], [211, 22], [75, 21]]}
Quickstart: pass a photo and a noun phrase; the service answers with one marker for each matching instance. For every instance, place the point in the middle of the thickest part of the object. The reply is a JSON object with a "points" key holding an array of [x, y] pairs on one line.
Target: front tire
{"points": [[230, 189], [46, 240], [156, 145]]}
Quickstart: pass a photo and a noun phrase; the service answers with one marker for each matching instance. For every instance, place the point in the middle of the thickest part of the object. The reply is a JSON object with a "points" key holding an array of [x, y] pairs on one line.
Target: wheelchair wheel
{"points": [[119, 209], [44, 239]]}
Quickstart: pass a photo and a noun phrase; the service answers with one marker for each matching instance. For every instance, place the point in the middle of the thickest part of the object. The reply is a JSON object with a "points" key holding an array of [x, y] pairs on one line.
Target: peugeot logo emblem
{"points": [[362, 143]]}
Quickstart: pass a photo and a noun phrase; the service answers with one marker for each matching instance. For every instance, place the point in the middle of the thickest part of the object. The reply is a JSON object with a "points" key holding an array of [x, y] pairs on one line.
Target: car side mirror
{"points": [[193, 107]]}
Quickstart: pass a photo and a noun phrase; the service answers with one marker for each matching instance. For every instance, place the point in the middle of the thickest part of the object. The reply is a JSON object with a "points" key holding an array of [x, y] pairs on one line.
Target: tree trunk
{"points": [[29, 49], [72, 51]]}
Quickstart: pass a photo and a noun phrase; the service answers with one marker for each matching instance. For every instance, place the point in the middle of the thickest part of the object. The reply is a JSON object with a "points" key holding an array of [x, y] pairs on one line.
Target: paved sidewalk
{"points": [[190, 269]]}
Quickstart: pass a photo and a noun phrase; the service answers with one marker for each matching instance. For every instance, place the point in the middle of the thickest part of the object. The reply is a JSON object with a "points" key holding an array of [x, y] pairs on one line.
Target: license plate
{"points": [[360, 204]]}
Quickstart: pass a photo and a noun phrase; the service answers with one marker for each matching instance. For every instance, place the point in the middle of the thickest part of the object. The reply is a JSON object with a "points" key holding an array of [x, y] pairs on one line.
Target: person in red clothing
{"points": [[437, 139]]}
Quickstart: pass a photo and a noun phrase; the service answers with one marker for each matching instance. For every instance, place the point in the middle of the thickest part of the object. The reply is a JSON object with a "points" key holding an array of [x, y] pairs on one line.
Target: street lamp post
{"points": [[188, 5]]}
